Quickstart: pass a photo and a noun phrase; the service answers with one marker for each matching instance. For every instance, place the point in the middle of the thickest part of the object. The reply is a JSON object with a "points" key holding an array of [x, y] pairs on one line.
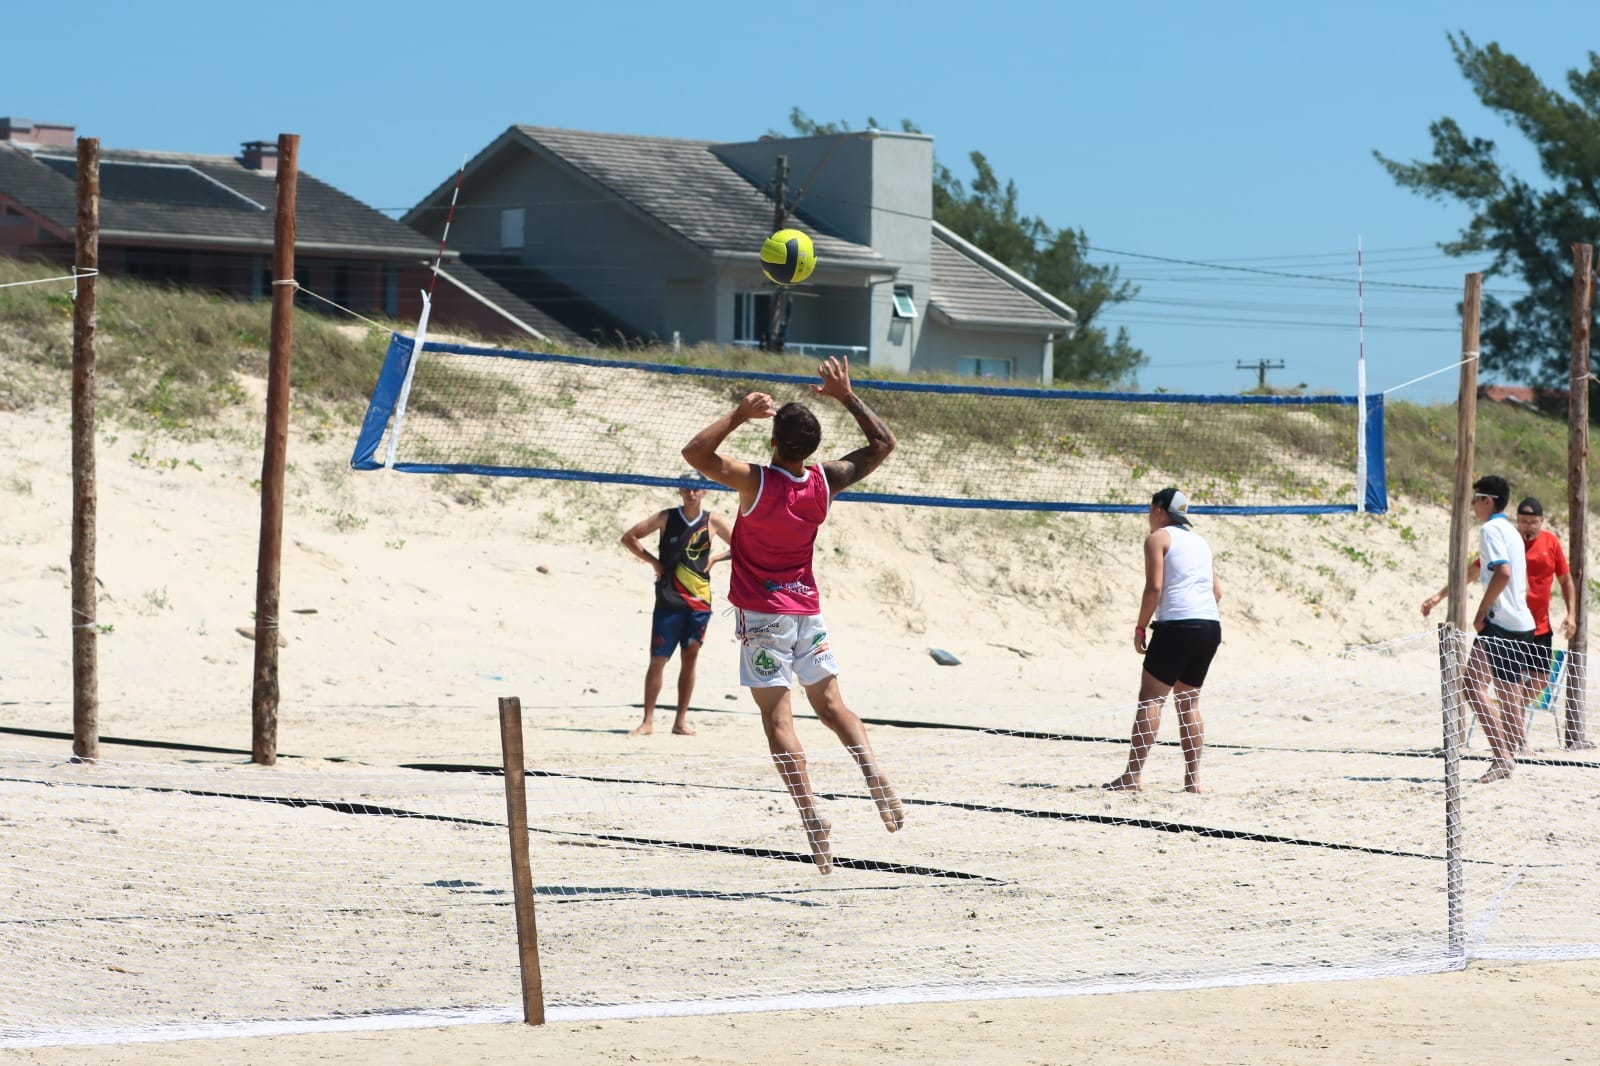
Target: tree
{"points": [[1055, 260], [1528, 228]]}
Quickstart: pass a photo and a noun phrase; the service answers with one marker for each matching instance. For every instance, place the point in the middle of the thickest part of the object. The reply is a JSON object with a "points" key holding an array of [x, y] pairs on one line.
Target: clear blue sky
{"points": [[1222, 135]]}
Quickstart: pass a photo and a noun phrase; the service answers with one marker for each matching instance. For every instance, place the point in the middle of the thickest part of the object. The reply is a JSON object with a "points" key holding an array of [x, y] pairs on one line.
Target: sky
{"points": [[1203, 149]]}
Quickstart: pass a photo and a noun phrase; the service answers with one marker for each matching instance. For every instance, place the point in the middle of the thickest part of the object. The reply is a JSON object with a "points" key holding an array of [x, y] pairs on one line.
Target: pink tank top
{"points": [[772, 544]]}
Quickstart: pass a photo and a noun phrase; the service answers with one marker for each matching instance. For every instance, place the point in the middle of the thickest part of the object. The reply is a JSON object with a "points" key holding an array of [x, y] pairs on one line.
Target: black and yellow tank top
{"points": [[685, 553]]}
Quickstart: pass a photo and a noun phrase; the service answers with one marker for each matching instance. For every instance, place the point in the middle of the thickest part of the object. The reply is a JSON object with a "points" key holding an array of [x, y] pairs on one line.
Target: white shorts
{"points": [[776, 648]]}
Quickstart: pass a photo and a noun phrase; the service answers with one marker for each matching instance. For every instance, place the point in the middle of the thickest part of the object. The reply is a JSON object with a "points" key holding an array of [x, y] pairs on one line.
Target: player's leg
{"points": [[663, 639], [690, 656], [1146, 724], [1480, 676], [1201, 640], [777, 719], [765, 668], [828, 702], [1191, 732], [652, 691]]}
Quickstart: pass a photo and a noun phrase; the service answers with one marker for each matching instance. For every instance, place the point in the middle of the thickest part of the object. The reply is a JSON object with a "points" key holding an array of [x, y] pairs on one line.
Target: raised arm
{"points": [[842, 473], [701, 452]]}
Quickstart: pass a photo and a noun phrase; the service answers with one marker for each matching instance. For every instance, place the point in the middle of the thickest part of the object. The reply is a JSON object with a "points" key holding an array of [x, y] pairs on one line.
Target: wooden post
{"points": [[1450, 682], [516, 775], [780, 215], [85, 631], [1453, 636], [1466, 446], [264, 691], [1573, 732]]}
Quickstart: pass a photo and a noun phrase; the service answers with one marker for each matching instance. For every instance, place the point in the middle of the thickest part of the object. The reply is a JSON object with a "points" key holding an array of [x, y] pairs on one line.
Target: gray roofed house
{"points": [[208, 221], [659, 238]]}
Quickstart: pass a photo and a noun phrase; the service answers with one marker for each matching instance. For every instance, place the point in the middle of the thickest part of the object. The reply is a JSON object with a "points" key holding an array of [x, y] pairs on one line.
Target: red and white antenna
{"points": [[422, 325]]}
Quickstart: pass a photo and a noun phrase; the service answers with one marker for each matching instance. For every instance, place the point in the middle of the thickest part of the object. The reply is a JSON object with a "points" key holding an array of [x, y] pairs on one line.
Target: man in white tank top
{"points": [[1181, 593]]}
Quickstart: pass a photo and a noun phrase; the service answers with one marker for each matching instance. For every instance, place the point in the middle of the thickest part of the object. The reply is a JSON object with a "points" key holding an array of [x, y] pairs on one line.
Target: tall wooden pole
{"points": [[264, 692], [516, 780], [1453, 652], [780, 215], [1466, 446], [85, 632], [1573, 734]]}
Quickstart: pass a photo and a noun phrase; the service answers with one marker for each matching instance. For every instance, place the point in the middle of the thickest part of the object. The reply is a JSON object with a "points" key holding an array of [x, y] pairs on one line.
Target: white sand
{"points": [[412, 603]]}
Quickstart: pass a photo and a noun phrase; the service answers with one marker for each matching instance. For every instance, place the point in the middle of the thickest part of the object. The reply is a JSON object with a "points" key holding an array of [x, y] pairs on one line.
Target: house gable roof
{"points": [[971, 288], [201, 200], [680, 185]]}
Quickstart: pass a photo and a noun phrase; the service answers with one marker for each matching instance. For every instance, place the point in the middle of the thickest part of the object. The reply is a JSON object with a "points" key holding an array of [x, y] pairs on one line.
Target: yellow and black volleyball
{"points": [[787, 257]]}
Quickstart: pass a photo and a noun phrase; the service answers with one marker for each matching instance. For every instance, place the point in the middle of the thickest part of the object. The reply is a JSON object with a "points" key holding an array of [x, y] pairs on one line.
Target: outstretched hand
{"points": [[756, 405], [835, 378]]}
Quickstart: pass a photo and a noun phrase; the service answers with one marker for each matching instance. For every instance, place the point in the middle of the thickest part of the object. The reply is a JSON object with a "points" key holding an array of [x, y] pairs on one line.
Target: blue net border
{"points": [[386, 394]]}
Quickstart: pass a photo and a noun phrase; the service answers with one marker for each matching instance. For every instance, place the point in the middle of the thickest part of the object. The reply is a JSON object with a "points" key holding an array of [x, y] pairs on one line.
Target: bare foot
{"points": [[683, 729], [1122, 784], [1192, 787], [888, 803], [643, 729], [1496, 772], [1579, 745], [817, 836]]}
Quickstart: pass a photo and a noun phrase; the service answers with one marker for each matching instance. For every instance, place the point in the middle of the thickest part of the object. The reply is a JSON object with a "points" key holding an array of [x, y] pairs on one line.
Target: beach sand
{"points": [[412, 603]]}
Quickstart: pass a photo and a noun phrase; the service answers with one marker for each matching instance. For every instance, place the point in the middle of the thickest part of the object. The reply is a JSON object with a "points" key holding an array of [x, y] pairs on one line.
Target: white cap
{"points": [[1178, 508]]}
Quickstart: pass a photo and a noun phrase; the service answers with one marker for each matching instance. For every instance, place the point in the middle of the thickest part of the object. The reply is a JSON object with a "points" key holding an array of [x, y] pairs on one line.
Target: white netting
{"points": [[141, 897]]}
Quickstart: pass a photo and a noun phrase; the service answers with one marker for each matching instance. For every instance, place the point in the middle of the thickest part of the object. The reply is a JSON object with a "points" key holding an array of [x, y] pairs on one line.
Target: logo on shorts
{"points": [[764, 664], [819, 638]]}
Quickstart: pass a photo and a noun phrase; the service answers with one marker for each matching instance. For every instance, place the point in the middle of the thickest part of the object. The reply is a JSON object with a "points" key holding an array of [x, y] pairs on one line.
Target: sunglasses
{"points": [[1476, 496]]}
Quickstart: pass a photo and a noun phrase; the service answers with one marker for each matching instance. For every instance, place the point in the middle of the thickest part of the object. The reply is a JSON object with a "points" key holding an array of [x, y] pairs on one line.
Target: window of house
{"points": [[752, 314], [984, 367], [904, 305], [512, 222]]}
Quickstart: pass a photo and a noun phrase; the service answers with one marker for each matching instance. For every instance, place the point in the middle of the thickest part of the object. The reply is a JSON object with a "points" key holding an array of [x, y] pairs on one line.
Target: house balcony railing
{"points": [[821, 351]]}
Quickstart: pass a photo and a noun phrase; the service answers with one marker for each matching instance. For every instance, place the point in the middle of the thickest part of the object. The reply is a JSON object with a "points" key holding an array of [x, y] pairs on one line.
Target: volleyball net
{"points": [[151, 901], [498, 412]]}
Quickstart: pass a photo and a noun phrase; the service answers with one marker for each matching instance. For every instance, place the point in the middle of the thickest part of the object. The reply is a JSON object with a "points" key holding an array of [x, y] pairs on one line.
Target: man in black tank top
{"points": [[682, 563]]}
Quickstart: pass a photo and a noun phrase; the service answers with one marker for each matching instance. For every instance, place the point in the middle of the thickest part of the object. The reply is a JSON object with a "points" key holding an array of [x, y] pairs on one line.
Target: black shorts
{"points": [[1182, 650], [1513, 655]]}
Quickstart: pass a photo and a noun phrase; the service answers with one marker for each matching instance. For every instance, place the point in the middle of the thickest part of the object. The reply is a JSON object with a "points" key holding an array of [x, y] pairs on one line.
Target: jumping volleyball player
{"points": [[780, 626]]}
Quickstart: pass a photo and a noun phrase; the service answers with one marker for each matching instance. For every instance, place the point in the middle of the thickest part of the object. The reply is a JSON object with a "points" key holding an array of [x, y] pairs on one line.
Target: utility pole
{"points": [[780, 215], [1261, 367]]}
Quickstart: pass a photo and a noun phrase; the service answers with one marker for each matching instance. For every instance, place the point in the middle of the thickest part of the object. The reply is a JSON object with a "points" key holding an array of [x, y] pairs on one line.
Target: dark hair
{"points": [[796, 432], [1529, 505], [1163, 500], [1496, 486]]}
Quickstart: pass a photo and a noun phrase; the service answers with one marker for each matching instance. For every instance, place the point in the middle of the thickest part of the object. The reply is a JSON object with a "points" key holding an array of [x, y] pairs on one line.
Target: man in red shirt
{"points": [[781, 631], [1547, 564]]}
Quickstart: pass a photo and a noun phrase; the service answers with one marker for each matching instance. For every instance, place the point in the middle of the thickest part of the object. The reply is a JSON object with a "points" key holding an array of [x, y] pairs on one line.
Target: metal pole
{"points": [[264, 692], [85, 631]]}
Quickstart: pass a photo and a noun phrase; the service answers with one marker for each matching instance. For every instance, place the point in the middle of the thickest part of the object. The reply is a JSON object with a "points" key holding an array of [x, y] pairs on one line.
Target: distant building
{"points": [[629, 237], [207, 221]]}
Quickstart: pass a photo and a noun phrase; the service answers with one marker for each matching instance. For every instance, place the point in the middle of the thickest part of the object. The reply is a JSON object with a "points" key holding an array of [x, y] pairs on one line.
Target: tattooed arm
{"points": [[842, 473]]}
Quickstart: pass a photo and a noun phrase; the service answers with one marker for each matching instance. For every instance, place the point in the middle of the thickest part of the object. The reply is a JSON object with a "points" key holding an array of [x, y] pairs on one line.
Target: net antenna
{"points": [[1361, 388], [422, 323]]}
